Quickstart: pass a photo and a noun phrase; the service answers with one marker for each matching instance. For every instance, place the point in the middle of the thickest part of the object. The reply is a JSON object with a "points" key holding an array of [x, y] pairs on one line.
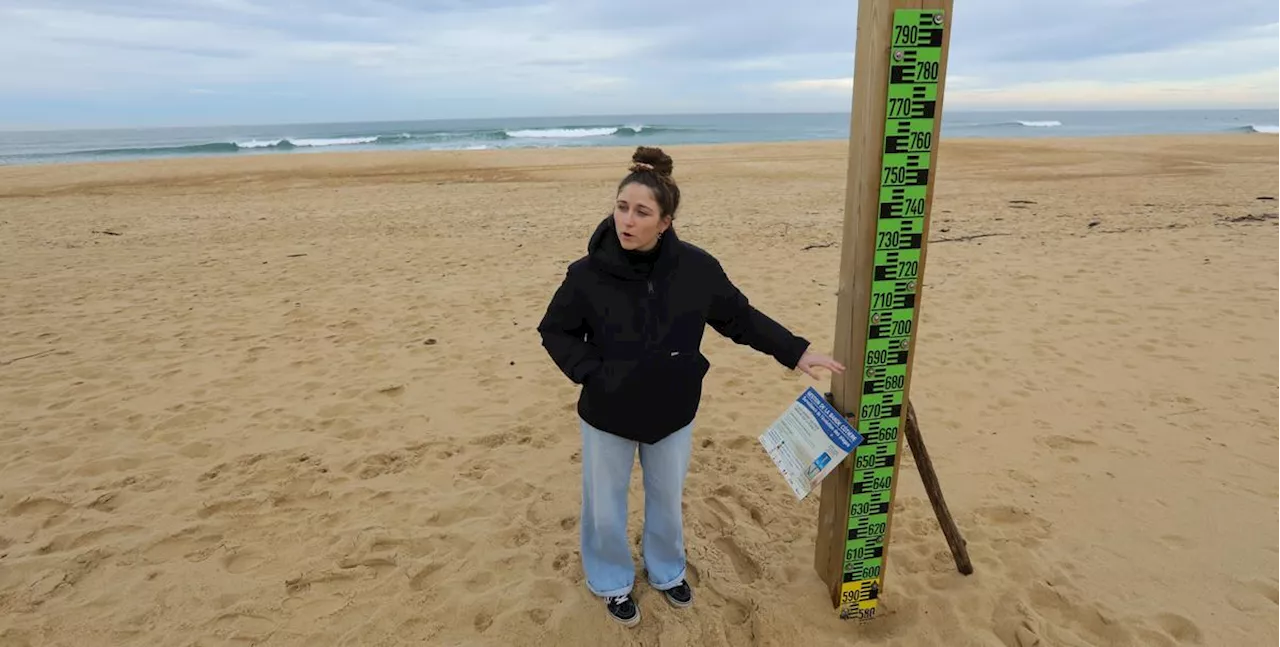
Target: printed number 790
{"points": [[905, 34]]}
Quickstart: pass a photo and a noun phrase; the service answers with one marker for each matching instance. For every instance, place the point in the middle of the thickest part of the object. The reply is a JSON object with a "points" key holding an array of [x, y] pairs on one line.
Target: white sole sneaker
{"points": [[629, 622]]}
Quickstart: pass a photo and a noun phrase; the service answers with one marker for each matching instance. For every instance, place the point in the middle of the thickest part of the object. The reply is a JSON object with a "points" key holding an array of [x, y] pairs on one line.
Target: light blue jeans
{"points": [[606, 477]]}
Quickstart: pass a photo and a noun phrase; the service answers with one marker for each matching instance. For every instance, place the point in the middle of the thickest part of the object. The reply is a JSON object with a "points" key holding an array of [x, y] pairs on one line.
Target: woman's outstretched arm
{"points": [[733, 316]]}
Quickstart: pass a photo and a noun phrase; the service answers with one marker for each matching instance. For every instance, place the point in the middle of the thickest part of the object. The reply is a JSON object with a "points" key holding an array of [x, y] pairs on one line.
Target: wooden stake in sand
{"points": [[898, 81]]}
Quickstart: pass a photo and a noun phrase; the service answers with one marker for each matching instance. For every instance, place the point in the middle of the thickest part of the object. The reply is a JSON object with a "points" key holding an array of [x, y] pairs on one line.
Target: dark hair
{"points": [[652, 168]]}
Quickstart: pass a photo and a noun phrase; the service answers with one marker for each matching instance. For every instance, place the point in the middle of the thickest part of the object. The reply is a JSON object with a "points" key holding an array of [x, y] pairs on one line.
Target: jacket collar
{"points": [[606, 253]]}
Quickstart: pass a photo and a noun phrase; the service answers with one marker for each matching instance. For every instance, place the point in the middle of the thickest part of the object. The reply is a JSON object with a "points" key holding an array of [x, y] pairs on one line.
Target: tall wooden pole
{"points": [[898, 80]]}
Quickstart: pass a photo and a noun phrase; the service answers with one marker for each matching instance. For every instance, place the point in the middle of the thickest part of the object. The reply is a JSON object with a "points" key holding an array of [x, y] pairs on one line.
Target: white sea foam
{"points": [[335, 141], [561, 133], [259, 143], [314, 142]]}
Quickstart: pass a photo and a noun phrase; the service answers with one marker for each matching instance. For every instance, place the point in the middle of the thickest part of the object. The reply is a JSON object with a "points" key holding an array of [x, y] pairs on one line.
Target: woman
{"points": [[627, 324]]}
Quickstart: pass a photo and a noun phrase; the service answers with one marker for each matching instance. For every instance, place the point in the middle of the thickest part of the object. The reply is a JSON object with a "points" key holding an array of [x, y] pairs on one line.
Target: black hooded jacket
{"points": [[628, 328]]}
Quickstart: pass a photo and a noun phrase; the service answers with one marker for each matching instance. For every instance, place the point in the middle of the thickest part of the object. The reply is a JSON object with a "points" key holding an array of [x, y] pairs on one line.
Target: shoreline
{"points": [[87, 156], [494, 158]]}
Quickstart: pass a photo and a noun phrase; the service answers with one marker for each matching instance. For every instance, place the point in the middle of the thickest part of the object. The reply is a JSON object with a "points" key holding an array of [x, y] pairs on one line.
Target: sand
{"points": [[299, 400]]}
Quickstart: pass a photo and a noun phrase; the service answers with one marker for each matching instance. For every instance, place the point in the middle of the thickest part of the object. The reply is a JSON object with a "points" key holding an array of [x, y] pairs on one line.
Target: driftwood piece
{"points": [[1252, 217], [6, 362], [963, 238], [959, 551], [817, 246]]}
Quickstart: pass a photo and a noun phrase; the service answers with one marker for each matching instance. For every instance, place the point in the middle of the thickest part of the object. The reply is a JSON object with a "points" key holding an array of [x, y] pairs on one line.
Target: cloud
{"points": [[1246, 90], [1237, 69], [841, 85], [1004, 30], [388, 53], [135, 60]]}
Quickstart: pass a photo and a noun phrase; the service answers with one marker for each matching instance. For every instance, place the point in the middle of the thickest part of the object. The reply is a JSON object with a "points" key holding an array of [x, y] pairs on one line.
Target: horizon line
{"points": [[36, 129]]}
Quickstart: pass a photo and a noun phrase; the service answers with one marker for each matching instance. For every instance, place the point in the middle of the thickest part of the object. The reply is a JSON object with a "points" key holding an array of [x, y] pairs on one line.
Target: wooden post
{"points": [[924, 465], [893, 136]]}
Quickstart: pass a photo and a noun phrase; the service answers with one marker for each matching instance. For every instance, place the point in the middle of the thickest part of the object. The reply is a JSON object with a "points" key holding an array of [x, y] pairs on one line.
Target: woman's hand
{"points": [[811, 360]]}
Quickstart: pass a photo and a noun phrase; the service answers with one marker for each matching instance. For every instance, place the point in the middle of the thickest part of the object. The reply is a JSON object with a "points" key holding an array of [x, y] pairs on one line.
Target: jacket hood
{"points": [[607, 253]]}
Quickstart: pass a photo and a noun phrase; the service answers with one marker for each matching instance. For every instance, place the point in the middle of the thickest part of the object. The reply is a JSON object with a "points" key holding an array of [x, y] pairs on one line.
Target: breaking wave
{"points": [[1260, 128], [1017, 123], [575, 132], [443, 139]]}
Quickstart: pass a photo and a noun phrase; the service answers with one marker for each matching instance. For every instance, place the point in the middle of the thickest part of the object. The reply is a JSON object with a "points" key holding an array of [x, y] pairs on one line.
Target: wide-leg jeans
{"points": [[606, 476]]}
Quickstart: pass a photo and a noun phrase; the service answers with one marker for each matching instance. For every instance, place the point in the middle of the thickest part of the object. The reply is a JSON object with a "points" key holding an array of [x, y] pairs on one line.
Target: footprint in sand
{"points": [[1253, 597], [190, 544], [305, 613], [15, 638], [1011, 515], [483, 621], [245, 627], [242, 561], [517, 539], [38, 506], [105, 465], [1180, 628], [1021, 477], [735, 494], [422, 579], [1013, 524], [196, 450], [720, 513], [1060, 614], [1064, 442], [735, 614], [231, 507], [75, 540], [52, 453], [378, 464], [744, 565]]}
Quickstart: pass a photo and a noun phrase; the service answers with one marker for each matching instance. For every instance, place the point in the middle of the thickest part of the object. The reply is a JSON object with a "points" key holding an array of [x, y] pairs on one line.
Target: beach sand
{"points": [[300, 400]]}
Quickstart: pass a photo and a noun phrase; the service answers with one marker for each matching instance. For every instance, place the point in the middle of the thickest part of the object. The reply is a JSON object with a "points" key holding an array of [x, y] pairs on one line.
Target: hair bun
{"points": [[649, 158]]}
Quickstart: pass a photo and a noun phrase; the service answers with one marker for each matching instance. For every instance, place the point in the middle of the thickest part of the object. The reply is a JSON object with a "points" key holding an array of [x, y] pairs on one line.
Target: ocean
{"points": [[42, 147]]}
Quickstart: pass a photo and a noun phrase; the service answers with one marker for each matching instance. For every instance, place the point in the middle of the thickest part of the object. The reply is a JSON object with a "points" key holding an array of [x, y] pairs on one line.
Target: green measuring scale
{"points": [[914, 62]]}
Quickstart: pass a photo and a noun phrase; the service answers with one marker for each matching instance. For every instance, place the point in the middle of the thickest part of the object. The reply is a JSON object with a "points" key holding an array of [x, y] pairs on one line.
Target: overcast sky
{"points": [[157, 62]]}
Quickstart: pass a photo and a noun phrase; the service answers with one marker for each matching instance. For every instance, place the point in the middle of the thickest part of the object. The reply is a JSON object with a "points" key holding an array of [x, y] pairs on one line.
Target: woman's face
{"points": [[636, 217]]}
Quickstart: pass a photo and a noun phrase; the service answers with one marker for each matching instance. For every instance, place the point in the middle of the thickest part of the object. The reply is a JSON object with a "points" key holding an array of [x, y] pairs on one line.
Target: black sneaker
{"points": [[623, 609], [679, 595]]}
